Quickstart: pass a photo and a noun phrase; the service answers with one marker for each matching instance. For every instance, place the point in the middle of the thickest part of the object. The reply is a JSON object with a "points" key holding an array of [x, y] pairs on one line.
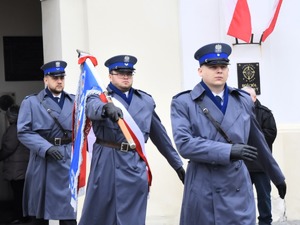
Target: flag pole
{"points": [[123, 127]]}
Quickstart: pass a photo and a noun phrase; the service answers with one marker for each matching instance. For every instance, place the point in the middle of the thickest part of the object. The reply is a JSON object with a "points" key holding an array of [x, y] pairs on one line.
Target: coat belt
{"points": [[60, 141], [123, 147]]}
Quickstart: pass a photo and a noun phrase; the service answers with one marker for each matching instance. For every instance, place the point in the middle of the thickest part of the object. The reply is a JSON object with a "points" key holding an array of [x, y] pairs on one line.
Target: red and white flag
{"points": [[240, 24], [245, 18], [269, 30]]}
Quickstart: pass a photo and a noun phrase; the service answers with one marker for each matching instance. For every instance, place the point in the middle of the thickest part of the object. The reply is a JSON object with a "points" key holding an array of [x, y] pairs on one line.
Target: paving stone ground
{"points": [[295, 222]]}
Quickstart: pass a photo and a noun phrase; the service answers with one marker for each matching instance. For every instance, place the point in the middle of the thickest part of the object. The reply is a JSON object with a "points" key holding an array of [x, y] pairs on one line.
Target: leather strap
{"points": [[54, 118], [214, 122], [123, 147], [60, 141]]}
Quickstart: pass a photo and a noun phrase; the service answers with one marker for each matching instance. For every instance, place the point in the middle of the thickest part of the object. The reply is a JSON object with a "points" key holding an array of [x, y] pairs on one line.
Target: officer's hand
{"points": [[54, 153], [281, 189], [181, 174], [244, 152], [112, 112]]}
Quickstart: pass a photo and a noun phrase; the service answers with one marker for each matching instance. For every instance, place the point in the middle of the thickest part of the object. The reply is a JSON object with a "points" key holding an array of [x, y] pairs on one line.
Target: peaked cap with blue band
{"points": [[213, 54], [121, 63], [54, 68]]}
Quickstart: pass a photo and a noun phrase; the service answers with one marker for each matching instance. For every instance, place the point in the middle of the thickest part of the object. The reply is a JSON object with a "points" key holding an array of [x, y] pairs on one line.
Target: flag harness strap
{"points": [[214, 122], [54, 118]]}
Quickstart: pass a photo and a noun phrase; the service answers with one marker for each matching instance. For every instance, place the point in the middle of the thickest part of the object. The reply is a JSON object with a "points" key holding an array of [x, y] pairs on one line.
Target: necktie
{"points": [[56, 99], [219, 99]]}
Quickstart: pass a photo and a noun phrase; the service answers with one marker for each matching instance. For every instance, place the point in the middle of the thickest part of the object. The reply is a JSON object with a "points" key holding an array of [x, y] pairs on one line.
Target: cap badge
{"points": [[218, 48], [126, 59], [57, 64]]}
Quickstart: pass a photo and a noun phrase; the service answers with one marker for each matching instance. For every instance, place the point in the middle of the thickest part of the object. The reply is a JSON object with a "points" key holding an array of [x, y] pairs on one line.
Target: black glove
{"points": [[181, 174], [281, 189], [112, 112], [54, 153], [244, 152]]}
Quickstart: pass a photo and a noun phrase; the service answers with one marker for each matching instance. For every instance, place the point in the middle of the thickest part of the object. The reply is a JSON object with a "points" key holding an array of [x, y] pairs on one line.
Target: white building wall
{"points": [[164, 35]]}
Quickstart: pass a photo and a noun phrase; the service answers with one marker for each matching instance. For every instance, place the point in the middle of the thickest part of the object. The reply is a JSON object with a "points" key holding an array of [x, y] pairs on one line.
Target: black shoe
{"points": [[16, 222], [21, 221]]}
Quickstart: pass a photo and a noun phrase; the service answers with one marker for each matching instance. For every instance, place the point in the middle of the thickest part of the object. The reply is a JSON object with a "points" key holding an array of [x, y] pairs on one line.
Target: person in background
{"points": [[117, 187], [214, 127], [15, 158], [45, 128], [258, 177]]}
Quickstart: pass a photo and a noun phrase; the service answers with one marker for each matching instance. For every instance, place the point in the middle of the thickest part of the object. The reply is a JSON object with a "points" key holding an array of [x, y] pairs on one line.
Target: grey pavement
{"points": [[294, 222]]}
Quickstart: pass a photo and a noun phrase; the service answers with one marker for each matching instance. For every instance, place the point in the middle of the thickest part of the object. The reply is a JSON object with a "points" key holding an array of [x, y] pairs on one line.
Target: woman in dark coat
{"points": [[15, 158]]}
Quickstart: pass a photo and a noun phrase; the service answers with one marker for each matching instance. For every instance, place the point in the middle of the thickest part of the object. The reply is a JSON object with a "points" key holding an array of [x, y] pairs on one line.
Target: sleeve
{"points": [[10, 142], [265, 158], [94, 107], [269, 128], [190, 143], [26, 134], [161, 140]]}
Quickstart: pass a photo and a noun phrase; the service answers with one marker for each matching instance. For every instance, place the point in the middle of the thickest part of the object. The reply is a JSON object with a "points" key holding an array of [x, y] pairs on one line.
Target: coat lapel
{"points": [[136, 105]]}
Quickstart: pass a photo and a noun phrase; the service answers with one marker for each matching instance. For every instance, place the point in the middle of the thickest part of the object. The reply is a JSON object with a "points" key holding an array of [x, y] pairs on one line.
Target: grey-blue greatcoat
{"points": [[117, 187], [46, 191], [218, 191]]}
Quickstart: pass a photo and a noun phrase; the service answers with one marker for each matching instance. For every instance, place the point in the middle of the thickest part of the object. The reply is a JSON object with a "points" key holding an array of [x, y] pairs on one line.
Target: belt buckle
{"points": [[124, 147], [57, 141]]}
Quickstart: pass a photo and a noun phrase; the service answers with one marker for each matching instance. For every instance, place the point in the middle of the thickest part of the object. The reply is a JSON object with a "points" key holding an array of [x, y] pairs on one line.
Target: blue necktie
{"points": [[56, 99], [219, 99]]}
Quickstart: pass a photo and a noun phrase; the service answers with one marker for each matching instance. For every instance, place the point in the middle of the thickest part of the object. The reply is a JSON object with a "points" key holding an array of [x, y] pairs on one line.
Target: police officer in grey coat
{"points": [[117, 187], [45, 128], [214, 127]]}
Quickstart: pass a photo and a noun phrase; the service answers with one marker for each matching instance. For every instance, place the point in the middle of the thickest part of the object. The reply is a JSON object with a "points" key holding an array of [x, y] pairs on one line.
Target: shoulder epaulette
{"points": [[242, 91], [138, 90], [34, 94], [181, 93]]}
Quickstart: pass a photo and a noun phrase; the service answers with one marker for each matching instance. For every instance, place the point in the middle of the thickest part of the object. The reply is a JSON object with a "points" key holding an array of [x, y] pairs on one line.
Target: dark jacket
{"points": [[14, 154], [267, 123]]}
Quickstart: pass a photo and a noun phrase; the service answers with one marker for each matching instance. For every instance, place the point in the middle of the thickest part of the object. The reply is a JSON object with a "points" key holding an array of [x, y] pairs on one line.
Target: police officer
{"points": [[45, 128], [117, 188], [214, 127]]}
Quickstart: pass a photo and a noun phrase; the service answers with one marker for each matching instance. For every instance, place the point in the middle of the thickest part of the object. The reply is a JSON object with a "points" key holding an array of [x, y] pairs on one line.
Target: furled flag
{"points": [[273, 20], [90, 83], [240, 19], [81, 126]]}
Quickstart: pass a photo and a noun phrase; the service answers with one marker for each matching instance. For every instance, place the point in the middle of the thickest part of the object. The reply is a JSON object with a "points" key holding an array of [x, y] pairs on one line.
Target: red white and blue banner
{"points": [[90, 83]]}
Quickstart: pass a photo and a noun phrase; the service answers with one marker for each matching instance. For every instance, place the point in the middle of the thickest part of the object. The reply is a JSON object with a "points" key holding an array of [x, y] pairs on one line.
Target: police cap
{"points": [[54, 68], [213, 54], [121, 63]]}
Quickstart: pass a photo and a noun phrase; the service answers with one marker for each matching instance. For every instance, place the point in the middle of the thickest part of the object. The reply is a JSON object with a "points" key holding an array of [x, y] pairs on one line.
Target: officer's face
{"points": [[122, 80], [214, 77], [55, 84]]}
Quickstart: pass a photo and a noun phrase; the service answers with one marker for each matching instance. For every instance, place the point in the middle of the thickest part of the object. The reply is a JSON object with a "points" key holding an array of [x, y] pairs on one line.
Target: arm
{"points": [[161, 140], [27, 135], [269, 128], [193, 133], [10, 142]]}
